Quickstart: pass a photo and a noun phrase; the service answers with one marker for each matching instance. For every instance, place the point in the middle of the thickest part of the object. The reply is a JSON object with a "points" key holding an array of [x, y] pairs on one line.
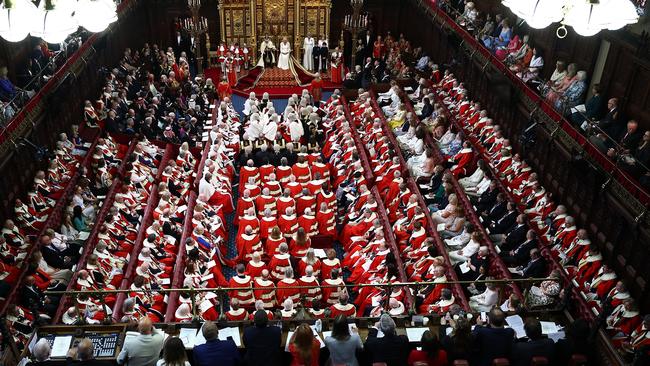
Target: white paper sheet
{"points": [[440, 227], [415, 334], [464, 267], [517, 324], [188, 336], [549, 327], [320, 253], [61, 346], [230, 332], [556, 336]]}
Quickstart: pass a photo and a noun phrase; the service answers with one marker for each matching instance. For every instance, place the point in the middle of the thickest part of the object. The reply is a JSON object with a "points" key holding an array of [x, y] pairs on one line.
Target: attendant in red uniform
{"points": [[317, 89], [223, 89]]}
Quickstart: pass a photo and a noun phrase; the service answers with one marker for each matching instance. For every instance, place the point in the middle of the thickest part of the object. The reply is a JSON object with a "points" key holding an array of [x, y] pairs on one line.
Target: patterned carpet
{"points": [[277, 78]]}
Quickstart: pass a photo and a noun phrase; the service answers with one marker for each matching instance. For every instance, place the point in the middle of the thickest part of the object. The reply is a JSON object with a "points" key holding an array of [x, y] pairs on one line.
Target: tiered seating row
{"points": [[179, 268], [54, 218], [583, 307], [381, 209], [607, 164], [100, 217], [147, 219], [497, 267], [152, 204], [457, 289]]}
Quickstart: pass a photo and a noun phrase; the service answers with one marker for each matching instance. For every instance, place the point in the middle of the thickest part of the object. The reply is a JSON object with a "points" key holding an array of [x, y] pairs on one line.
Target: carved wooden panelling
{"points": [[254, 19]]}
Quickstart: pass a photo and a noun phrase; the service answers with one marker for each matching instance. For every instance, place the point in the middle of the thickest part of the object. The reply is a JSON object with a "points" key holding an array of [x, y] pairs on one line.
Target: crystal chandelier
{"points": [[54, 20], [586, 17]]}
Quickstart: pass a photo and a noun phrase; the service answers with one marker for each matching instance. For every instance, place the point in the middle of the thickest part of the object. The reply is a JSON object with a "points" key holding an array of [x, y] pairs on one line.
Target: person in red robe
{"points": [[332, 287], [243, 283], [316, 89], [280, 262], [247, 244], [312, 290], [343, 307], [231, 70], [265, 290], [256, 266], [624, 319], [236, 313], [336, 66], [330, 264], [285, 288], [224, 89], [378, 49]]}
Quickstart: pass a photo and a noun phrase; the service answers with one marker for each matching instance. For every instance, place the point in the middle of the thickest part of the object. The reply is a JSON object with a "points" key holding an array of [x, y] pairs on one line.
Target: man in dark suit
{"points": [[521, 253], [513, 236], [427, 109], [535, 268], [506, 221], [179, 44], [611, 123], [393, 350], [58, 255], [262, 157], [290, 154], [494, 340], [262, 342], [32, 297], [486, 202], [628, 140], [226, 352], [536, 346]]}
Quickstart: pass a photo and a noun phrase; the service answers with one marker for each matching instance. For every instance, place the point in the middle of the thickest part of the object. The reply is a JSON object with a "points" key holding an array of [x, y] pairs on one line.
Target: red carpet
{"points": [[277, 82], [246, 82]]}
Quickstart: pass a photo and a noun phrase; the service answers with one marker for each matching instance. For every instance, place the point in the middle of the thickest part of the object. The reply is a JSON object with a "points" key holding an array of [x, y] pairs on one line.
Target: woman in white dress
{"points": [[308, 58], [285, 54], [473, 180], [486, 300]]}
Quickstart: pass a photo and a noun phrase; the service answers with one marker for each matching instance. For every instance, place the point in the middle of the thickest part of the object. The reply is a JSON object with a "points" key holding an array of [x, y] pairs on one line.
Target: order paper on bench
{"points": [[549, 327], [517, 324], [61, 346], [188, 336], [415, 334], [230, 332]]}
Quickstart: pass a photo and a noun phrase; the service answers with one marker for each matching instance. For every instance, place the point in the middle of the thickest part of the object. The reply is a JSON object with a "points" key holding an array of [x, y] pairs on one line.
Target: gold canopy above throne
{"points": [[249, 21]]}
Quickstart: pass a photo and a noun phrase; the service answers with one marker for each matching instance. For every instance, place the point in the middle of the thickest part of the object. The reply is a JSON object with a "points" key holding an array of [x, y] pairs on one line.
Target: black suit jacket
{"points": [[504, 223], [535, 269], [523, 352], [486, 200], [515, 237], [391, 349], [31, 296], [262, 345], [522, 252], [261, 158], [493, 343], [630, 141], [54, 258], [611, 123], [427, 110]]}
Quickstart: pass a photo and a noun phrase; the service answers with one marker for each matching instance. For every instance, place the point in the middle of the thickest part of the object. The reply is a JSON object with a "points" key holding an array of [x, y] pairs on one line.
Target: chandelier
{"points": [[53, 20], [586, 17]]}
